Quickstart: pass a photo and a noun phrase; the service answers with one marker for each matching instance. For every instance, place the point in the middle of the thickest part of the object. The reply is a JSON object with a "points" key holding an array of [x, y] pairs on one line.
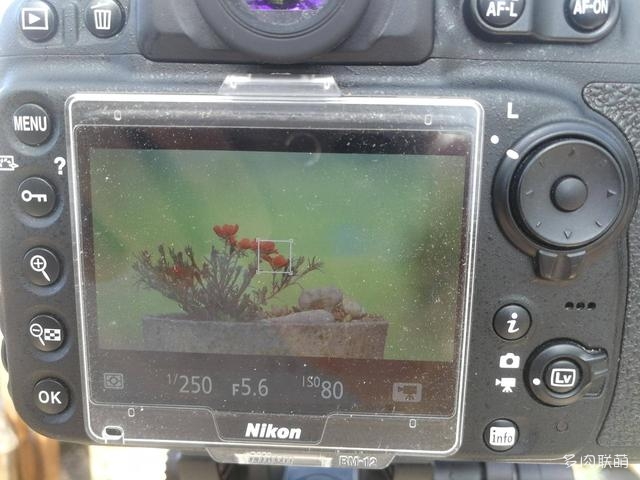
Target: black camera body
{"points": [[441, 196]]}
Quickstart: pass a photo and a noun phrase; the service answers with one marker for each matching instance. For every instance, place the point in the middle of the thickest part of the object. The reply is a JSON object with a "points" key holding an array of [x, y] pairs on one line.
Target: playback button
{"points": [[37, 197], [38, 20]]}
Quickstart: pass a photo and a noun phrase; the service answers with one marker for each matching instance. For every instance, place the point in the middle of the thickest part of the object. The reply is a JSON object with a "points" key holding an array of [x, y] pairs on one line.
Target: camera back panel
{"points": [[551, 366]]}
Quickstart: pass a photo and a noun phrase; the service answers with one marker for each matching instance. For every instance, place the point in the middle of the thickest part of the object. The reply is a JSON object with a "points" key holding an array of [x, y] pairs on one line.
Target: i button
{"points": [[512, 322]]}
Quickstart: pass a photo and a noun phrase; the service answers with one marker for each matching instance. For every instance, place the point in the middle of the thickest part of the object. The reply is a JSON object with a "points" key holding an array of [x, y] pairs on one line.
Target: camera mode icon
{"points": [[509, 360]]}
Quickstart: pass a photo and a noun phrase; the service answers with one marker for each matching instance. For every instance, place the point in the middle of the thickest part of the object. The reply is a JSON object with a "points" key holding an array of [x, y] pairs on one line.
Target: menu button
{"points": [[32, 124]]}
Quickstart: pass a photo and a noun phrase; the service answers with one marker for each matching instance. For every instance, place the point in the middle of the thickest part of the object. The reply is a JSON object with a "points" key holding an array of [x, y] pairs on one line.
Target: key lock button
{"points": [[37, 197]]}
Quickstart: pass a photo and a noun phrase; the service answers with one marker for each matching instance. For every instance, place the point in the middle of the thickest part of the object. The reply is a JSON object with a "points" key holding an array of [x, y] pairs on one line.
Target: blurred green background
{"points": [[386, 227]]}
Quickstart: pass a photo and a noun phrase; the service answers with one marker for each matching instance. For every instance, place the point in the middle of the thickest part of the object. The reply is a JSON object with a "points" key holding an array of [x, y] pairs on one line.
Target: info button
{"points": [[501, 435]]}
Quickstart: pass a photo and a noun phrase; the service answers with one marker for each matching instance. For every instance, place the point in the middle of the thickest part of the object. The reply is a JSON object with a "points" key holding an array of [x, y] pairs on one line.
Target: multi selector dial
{"points": [[562, 192], [568, 193]]}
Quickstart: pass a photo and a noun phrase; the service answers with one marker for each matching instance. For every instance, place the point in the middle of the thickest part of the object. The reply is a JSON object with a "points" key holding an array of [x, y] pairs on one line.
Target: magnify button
{"points": [[41, 267]]}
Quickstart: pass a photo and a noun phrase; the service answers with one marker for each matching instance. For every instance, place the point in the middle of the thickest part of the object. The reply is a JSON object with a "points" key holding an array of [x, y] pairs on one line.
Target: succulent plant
{"points": [[221, 287]]}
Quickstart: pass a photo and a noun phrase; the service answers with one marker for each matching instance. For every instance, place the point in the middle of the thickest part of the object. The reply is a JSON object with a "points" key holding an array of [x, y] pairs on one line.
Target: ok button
{"points": [[51, 396]]}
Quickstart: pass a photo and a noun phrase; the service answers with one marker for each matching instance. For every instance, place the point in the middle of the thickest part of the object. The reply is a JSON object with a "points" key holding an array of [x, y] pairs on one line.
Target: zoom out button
{"points": [[47, 333]]}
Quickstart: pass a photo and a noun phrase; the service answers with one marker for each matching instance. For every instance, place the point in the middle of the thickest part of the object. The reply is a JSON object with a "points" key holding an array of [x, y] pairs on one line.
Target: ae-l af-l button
{"points": [[32, 124], [500, 13]]}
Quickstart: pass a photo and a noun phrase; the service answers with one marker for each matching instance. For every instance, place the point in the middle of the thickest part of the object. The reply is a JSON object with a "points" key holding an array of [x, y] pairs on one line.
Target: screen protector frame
{"points": [[381, 436]]}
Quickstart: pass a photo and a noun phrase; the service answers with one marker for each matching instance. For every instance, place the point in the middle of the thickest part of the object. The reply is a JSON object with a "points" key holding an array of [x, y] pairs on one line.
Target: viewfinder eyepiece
{"points": [[294, 5]]}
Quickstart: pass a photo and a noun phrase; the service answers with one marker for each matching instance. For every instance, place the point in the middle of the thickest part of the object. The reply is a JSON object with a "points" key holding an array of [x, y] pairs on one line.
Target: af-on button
{"points": [[588, 15]]}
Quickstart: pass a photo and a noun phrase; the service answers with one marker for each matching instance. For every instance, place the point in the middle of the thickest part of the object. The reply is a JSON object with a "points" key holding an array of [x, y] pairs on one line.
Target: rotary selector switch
{"points": [[563, 192], [569, 193], [562, 372]]}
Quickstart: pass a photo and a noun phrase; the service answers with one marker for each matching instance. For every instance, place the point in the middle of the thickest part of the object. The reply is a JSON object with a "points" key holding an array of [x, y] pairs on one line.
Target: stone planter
{"points": [[305, 334]]}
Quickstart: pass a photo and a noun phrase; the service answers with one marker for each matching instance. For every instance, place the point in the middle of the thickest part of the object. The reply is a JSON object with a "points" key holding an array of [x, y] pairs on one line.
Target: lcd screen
{"points": [[324, 267]]}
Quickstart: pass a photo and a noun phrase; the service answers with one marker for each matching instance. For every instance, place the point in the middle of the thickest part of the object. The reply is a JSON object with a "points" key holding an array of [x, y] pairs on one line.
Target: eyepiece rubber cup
{"points": [[282, 36]]}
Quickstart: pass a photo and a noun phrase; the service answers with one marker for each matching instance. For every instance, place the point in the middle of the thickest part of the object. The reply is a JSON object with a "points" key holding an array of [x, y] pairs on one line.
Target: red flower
{"points": [[267, 248], [276, 262], [246, 244], [226, 231]]}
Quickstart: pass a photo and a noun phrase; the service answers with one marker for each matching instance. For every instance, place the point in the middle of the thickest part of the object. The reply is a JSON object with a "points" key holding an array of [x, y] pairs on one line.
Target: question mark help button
{"points": [[61, 163]]}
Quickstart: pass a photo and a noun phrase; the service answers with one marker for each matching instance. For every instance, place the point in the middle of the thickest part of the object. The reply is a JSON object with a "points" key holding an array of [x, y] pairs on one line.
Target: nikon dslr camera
{"points": [[324, 232]]}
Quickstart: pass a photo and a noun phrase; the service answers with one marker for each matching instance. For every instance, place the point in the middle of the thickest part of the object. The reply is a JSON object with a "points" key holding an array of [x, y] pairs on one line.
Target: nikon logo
{"points": [[269, 431]]}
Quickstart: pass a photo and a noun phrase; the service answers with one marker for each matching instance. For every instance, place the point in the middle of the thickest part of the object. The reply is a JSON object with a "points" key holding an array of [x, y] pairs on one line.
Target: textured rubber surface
{"points": [[621, 104]]}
